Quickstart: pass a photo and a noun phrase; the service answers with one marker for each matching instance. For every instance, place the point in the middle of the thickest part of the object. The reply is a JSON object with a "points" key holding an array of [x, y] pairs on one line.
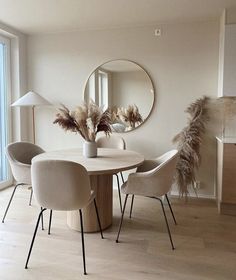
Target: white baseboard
{"points": [[206, 196]]}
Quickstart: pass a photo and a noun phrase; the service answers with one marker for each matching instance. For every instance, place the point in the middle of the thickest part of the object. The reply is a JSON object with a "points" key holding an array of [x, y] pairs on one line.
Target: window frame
{"points": [[7, 42], [103, 88]]}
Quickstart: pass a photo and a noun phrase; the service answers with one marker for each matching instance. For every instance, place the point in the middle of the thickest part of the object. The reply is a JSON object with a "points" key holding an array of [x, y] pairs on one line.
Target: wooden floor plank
{"points": [[205, 244]]}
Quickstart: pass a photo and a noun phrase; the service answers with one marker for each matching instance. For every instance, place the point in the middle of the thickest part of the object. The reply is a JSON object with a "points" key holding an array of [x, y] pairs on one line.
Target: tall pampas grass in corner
{"points": [[212, 114], [189, 142]]}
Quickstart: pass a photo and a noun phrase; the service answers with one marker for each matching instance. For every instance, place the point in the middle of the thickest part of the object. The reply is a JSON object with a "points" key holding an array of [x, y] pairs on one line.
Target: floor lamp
{"points": [[31, 99]]}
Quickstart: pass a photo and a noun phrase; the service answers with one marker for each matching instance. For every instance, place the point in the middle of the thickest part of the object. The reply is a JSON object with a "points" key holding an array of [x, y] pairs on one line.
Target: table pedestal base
{"points": [[102, 185]]}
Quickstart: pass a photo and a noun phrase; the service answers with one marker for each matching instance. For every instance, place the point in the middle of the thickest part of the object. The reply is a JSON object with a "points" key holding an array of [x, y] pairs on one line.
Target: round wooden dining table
{"points": [[100, 171]]}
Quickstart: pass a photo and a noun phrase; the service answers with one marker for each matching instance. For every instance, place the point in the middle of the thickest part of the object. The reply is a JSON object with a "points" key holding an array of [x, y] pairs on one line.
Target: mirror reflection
{"points": [[125, 89]]}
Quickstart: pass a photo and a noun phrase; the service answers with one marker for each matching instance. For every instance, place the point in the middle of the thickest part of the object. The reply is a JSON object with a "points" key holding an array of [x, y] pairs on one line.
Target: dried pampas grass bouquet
{"points": [[189, 142], [130, 116], [87, 120]]}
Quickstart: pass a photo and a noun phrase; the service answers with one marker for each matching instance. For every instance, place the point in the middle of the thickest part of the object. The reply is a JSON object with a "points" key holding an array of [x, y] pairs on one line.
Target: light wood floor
{"points": [[205, 244]]}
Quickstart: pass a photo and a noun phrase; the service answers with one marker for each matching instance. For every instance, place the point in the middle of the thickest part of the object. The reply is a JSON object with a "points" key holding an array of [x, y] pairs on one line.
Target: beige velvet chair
{"points": [[63, 186], [19, 155], [153, 179], [113, 142]]}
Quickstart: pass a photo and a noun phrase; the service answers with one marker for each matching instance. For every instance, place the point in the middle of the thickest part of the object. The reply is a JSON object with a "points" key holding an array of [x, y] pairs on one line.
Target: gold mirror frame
{"points": [[127, 116]]}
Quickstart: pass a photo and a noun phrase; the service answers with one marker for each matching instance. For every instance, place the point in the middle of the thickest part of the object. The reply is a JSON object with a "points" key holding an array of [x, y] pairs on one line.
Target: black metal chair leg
{"points": [[98, 218], [42, 218], [122, 177], [118, 184], [82, 238], [31, 194], [121, 220], [167, 225], [131, 206], [170, 208], [9, 203], [50, 222], [35, 232]]}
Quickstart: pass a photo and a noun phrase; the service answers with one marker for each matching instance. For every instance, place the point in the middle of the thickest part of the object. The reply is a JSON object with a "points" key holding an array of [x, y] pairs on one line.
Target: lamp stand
{"points": [[33, 124]]}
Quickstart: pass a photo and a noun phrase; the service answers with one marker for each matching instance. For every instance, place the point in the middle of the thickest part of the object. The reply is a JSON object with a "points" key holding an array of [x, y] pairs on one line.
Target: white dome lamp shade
{"points": [[31, 99]]}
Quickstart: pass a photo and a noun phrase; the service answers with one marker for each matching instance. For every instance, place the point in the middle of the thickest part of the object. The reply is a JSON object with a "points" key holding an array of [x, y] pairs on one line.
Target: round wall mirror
{"points": [[125, 89]]}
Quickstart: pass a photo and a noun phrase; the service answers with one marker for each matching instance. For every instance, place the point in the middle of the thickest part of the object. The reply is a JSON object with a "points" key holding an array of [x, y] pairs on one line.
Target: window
{"points": [[103, 89], [4, 109], [97, 89]]}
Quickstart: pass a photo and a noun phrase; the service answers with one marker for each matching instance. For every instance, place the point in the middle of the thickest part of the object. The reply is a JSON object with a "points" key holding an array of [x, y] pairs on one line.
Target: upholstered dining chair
{"points": [[113, 142], [19, 155], [153, 179], [63, 186]]}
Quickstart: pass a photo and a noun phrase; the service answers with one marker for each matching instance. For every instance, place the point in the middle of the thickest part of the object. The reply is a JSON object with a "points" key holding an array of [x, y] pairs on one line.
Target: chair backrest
{"points": [[163, 174], [60, 185], [19, 155], [113, 142], [156, 181]]}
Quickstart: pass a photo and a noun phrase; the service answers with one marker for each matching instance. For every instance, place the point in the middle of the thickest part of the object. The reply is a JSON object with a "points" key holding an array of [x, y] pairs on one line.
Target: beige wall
{"points": [[183, 64], [230, 16]]}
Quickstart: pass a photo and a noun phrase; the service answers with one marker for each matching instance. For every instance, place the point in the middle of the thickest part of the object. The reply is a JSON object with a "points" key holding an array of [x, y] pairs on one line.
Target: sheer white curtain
{"points": [[4, 108]]}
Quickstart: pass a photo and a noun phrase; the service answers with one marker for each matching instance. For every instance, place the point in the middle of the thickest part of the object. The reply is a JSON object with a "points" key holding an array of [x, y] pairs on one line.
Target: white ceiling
{"points": [[43, 16]]}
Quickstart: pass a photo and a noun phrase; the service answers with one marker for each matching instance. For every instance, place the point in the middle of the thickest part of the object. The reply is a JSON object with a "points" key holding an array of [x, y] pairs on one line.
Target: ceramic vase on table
{"points": [[89, 149]]}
